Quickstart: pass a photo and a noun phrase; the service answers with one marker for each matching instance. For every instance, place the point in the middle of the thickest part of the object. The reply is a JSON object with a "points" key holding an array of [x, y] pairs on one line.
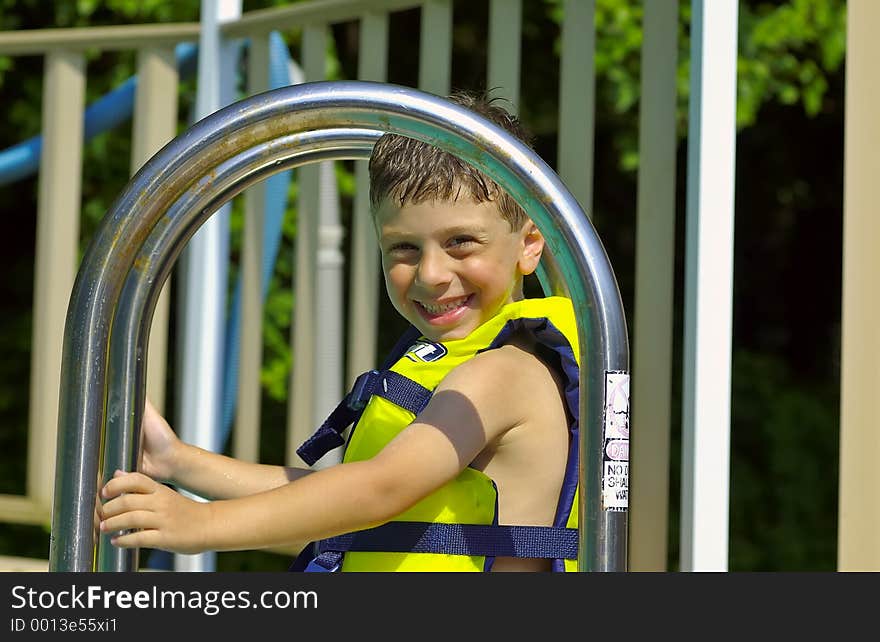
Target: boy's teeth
{"points": [[436, 308]]}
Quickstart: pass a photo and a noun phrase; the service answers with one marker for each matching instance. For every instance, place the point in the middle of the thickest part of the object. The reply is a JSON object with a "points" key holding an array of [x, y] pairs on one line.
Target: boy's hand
{"points": [[160, 445], [164, 518]]}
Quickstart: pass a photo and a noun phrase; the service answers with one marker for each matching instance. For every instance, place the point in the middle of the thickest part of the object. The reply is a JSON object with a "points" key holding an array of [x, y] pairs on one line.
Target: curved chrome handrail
{"points": [[177, 189]]}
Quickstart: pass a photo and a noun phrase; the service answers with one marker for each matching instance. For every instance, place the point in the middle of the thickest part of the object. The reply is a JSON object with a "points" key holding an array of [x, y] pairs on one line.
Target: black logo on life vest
{"points": [[424, 350]]}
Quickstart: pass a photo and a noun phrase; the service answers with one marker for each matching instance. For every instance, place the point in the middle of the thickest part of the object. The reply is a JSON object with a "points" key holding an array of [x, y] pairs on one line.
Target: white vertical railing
{"points": [[154, 124], [654, 288], [505, 33], [58, 217], [205, 268], [364, 287], [435, 47], [709, 287], [246, 433], [301, 404], [577, 100], [329, 309], [319, 203], [858, 546]]}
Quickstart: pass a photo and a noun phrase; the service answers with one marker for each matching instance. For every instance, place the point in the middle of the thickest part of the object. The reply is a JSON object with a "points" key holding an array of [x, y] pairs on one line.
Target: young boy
{"points": [[460, 450]]}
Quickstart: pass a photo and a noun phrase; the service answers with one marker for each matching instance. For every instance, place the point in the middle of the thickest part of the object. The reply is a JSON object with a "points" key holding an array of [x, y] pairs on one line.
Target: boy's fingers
{"points": [[138, 539], [131, 519], [127, 483], [126, 503]]}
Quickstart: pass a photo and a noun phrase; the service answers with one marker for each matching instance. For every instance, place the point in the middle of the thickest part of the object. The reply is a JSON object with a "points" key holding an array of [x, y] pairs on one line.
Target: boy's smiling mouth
{"points": [[442, 311]]}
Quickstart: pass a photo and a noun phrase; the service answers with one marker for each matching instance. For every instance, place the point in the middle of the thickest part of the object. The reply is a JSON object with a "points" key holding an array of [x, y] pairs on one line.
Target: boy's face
{"points": [[450, 266]]}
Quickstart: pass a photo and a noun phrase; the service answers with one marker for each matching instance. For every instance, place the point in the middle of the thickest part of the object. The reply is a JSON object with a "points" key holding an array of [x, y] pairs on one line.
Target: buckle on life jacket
{"points": [[362, 390], [315, 567]]}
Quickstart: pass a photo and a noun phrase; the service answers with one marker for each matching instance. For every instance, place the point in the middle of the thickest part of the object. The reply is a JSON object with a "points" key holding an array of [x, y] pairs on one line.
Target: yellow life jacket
{"points": [[455, 528]]}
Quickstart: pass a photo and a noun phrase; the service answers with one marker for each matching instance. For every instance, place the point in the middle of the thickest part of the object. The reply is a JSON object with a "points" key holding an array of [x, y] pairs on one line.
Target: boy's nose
{"points": [[432, 270]]}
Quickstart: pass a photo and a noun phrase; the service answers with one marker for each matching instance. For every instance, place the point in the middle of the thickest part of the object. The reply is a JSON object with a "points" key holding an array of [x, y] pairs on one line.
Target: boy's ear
{"points": [[532, 248]]}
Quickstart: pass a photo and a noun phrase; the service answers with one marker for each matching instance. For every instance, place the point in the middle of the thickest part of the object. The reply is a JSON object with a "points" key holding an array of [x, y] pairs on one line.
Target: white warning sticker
{"points": [[615, 484], [616, 405], [615, 456]]}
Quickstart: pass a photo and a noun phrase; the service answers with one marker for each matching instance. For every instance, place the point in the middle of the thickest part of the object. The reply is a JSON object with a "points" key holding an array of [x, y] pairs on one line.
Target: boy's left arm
{"points": [[473, 406]]}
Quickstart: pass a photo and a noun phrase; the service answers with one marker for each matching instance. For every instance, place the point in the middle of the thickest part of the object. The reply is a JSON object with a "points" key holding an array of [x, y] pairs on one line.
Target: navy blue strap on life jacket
{"points": [[329, 434], [390, 385], [547, 542]]}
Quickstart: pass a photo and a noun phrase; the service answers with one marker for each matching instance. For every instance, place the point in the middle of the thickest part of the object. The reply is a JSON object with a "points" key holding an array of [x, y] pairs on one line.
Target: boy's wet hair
{"points": [[406, 170]]}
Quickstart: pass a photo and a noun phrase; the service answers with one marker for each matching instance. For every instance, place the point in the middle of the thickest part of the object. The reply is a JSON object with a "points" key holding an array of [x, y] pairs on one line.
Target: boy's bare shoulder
{"points": [[509, 383]]}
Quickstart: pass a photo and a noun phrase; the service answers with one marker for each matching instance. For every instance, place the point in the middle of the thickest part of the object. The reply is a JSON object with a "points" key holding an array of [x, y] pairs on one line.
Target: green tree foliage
{"points": [[783, 470], [786, 52]]}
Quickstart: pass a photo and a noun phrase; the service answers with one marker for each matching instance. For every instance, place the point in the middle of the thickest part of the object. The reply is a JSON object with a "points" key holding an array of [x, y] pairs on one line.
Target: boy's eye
{"points": [[398, 248], [461, 241]]}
